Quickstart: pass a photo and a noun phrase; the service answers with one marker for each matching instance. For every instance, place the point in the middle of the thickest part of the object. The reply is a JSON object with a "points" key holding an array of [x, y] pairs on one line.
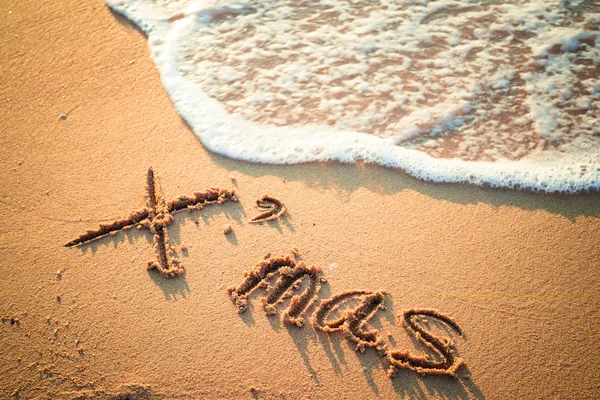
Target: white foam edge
{"points": [[231, 136]]}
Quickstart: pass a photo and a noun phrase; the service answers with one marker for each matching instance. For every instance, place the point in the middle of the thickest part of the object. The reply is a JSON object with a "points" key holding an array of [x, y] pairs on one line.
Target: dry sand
{"points": [[518, 272]]}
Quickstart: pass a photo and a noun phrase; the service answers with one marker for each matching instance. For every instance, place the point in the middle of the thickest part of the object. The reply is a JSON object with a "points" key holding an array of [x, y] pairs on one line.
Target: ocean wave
{"points": [[503, 93]]}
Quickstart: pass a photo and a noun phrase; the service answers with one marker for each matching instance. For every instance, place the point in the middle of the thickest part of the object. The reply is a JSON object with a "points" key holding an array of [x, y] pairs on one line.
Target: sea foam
{"points": [[504, 93]]}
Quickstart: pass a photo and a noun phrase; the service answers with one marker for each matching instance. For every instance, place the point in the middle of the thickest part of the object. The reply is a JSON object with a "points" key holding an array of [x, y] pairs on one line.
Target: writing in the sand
{"points": [[280, 276], [158, 213]]}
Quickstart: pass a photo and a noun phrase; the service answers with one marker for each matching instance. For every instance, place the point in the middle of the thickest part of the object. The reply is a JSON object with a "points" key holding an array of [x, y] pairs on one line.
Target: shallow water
{"points": [[504, 93]]}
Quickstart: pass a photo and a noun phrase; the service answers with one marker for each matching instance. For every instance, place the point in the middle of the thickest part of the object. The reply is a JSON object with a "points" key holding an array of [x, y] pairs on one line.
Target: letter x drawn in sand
{"points": [[157, 214]]}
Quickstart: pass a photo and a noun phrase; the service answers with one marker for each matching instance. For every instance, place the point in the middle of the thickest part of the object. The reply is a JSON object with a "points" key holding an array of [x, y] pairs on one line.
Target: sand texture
{"points": [[470, 292]]}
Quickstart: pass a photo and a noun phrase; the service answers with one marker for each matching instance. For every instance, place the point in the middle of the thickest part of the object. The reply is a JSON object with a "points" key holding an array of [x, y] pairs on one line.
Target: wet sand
{"points": [[516, 271]]}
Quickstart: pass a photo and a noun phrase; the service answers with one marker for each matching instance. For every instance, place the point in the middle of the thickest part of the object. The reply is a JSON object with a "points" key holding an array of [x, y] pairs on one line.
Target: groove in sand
{"points": [[352, 323], [291, 275], [440, 346], [155, 217]]}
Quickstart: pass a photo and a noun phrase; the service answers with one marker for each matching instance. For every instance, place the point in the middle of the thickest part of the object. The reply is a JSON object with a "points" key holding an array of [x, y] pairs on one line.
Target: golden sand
{"points": [[516, 271]]}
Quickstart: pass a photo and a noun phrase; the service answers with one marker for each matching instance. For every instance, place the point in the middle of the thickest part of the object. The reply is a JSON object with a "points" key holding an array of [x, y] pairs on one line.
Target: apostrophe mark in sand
{"points": [[274, 209], [352, 323], [156, 216], [441, 346], [291, 274]]}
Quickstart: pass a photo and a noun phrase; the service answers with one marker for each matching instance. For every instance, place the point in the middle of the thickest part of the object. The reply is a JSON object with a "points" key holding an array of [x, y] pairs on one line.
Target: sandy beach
{"points": [[517, 271]]}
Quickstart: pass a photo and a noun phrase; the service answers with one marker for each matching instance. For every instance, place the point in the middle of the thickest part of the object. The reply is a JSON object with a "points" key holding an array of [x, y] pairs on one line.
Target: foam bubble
{"points": [[503, 93]]}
